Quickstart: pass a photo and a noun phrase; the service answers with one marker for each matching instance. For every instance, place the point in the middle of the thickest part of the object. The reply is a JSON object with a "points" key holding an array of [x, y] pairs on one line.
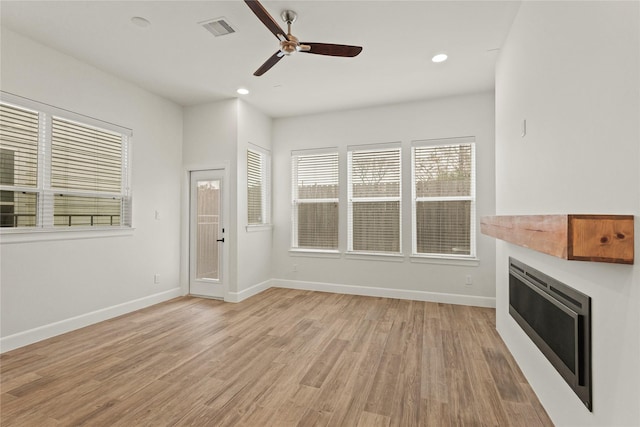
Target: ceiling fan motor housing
{"points": [[290, 45]]}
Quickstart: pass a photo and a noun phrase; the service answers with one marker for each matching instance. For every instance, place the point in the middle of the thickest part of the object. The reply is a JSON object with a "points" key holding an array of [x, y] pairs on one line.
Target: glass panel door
{"points": [[206, 234]]}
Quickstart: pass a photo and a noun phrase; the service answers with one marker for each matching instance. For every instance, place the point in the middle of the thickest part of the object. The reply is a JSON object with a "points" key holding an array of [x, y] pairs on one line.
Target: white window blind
{"points": [[19, 130], [374, 197], [61, 172], [315, 200], [86, 174], [444, 197], [85, 158], [258, 187]]}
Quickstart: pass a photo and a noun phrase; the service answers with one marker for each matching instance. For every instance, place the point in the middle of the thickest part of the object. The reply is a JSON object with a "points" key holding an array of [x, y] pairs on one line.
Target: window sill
{"points": [[258, 227], [445, 260], [379, 256], [44, 235], [321, 253]]}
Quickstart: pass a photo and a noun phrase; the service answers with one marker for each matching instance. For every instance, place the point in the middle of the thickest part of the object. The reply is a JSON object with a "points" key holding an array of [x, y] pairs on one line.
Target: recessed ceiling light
{"points": [[441, 57], [140, 21], [243, 91]]}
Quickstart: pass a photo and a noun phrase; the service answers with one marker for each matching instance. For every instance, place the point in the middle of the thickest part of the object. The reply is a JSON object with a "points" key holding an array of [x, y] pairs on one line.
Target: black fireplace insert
{"points": [[557, 318]]}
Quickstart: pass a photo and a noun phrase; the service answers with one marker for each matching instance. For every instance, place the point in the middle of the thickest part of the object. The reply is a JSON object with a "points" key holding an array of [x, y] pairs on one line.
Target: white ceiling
{"points": [[179, 60]]}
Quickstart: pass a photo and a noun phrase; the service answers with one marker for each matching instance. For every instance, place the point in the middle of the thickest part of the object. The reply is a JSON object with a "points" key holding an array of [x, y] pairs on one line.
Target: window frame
{"points": [[434, 143], [296, 201], [396, 146], [45, 228], [265, 193]]}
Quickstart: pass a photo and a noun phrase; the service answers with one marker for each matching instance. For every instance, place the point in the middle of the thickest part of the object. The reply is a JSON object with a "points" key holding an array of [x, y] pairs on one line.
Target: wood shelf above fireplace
{"points": [[601, 238]]}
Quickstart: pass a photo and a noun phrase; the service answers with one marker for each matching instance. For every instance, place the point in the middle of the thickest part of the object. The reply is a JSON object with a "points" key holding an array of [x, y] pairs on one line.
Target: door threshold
{"points": [[207, 297]]}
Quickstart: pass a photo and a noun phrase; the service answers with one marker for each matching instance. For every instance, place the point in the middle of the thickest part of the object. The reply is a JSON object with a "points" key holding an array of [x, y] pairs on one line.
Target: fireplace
{"points": [[557, 318]]}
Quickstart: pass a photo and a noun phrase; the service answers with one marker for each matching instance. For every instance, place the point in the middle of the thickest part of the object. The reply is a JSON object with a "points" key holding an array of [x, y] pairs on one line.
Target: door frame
{"points": [[186, 219]]}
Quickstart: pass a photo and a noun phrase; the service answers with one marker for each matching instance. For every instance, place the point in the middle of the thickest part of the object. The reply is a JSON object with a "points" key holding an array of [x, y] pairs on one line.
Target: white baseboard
{"points": [[249, 292], [386, 293], [40, 333]]}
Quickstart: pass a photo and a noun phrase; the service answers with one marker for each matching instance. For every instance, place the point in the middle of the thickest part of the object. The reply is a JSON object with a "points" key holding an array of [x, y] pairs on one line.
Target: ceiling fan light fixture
{"points": [[441, 57]]}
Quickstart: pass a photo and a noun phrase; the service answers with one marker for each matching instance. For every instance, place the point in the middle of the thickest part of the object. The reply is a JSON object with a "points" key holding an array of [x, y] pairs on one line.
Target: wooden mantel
{"points": [[602, 238]]}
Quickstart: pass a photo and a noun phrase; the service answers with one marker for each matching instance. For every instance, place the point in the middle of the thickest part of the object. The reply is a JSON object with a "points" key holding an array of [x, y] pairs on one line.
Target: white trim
{"points": [[374, 199], [444, 199], [265, 180], [328, 253], [314, 151], [351, 199], [443, 142], [252, 228], [247, 293], [19, 189], [258, 149], [185, 203], [211, 288], [24, 235], [301, 201], [456, 141], [379, 146], [40, 333], [47, 115], [444, 260], [295, 199], [380, 256], [457, 299], [37, 106]]}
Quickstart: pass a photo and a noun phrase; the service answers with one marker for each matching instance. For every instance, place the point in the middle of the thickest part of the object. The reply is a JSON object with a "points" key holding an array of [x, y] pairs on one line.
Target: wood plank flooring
{"points": [[281, 358]]}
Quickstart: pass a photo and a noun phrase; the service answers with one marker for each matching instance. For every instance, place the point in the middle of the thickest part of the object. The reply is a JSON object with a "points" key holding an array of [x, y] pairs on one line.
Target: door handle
{"points": [[220, 240]]}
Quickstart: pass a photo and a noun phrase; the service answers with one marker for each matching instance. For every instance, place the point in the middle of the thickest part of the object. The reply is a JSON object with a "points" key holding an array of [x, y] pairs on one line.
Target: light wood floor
{"points": [[281, 358]]}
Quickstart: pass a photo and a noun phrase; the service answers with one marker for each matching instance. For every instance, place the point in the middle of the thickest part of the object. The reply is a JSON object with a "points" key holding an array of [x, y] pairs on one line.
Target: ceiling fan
{"points": [[290, 44]]}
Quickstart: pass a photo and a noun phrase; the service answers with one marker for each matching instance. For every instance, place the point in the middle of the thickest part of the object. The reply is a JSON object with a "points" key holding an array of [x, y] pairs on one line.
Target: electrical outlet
{"points": [[468, 281], [294, 268], [156, 278]]}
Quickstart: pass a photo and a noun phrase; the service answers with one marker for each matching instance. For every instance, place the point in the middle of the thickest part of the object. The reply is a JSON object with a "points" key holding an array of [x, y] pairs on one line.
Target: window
{"points": [[443, 187], [19, 130], [374, 197], [315, 200], [258, 187], [60, 169]]}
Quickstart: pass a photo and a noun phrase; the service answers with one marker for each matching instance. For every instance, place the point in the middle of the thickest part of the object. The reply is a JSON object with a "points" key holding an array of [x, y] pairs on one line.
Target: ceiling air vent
{"points": [[218, 27]]}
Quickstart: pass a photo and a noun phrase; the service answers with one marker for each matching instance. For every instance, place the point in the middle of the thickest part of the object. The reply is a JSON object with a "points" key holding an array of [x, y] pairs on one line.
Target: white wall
{"points": [[55, 281], [218, 134], [471, 115], [73, 285], [254, 246], [571, 70], [210, 140]]}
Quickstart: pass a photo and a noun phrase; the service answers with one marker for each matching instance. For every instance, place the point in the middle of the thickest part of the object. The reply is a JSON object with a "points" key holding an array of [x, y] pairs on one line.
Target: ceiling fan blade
{"points": [[273, 60], [266, 19], [332, 49]]}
